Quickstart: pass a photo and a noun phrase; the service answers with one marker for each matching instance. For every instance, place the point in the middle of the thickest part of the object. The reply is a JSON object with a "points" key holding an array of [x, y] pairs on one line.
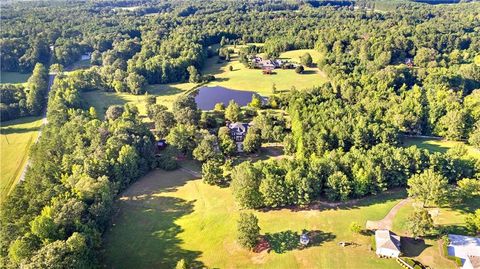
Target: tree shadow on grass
{"points": [[468, 206], [16, 130], [309, 72], [282, 242], [145, 235], [411, 247], [455, 229]]}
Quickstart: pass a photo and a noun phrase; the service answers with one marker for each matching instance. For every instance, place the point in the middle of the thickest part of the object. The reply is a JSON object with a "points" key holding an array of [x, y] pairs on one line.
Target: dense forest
{"points": [[395, 69]]}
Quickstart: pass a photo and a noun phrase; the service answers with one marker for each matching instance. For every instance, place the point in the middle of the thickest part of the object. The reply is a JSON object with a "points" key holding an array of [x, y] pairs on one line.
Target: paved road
{"points": [[51, 78]]}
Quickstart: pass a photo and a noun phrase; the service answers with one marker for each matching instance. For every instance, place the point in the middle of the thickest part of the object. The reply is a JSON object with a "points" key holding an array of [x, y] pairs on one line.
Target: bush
{"points": [[167, 161], [299, 69], [355, 227]]}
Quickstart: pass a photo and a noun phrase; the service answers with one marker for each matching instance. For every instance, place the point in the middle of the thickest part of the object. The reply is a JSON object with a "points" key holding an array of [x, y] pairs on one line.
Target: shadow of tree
{"points": [[454, 229], [144, 232], [16, 130], [284, 241], [411, 247], [468, 206], [309, 72]]}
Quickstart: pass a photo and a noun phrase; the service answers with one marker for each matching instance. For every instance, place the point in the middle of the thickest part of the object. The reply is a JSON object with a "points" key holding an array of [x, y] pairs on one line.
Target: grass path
{"points": [[16, 138]]}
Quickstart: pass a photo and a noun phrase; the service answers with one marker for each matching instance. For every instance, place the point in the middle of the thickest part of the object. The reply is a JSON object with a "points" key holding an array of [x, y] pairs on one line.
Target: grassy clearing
{"points": [[165, 217], [14, 77], [243, 78], [451, 218], [16, 138], [165, 93], [436, 145], [80, 64]]}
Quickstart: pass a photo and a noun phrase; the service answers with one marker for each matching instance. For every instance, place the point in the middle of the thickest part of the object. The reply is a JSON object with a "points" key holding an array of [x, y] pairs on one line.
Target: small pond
{"points": [[207, 97]]}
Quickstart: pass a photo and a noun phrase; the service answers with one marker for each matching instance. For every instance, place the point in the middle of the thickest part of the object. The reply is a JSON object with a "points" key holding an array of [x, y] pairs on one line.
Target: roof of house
{"points": [[461, 246], [387, 239], [474, 261], [238, 127]]}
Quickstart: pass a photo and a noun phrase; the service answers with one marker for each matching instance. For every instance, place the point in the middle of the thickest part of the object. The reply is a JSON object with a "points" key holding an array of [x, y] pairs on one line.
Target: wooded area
{"points": [[413, 71]]}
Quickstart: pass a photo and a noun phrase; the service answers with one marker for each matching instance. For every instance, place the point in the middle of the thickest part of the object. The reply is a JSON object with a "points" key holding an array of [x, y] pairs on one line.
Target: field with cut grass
{"points": [[166, 216], [16, 138], [243, 78], [165, 94], [14, 77], [438, 145]]}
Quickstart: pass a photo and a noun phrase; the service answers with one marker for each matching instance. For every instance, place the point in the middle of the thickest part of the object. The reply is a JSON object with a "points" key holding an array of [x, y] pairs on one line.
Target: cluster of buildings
{"points": [[268, 65], [466, 248]]}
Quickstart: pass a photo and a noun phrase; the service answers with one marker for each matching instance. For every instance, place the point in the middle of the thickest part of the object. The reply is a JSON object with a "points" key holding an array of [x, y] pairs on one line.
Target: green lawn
{"points": [[165, 217], [16, 138], [80, 64], [436, 145], [165, 93], [243, 78], [14, 77]]}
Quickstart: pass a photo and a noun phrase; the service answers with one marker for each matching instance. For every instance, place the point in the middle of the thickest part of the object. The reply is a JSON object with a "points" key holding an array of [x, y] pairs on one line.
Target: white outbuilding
{"points": [[387, 243]]}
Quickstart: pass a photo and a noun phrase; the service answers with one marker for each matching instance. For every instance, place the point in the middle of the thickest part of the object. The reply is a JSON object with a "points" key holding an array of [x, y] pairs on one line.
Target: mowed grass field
{"points": [[14, 77], [436, 145], [16, 138], [165, 94], [166, 216], [243, 78]]}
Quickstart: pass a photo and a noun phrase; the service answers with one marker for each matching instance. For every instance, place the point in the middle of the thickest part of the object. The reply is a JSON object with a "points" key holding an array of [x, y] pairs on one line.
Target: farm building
{"points": [[387, 243], [466, 248]]}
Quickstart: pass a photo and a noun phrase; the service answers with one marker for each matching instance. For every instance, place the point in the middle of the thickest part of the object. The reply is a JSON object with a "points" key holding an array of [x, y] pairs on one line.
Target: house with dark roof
{"points": [[387, 243], [238, 131]]}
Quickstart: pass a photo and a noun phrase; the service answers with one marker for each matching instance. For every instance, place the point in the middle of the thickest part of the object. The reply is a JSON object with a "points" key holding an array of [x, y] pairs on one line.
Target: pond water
{"points": [[207, 97]]}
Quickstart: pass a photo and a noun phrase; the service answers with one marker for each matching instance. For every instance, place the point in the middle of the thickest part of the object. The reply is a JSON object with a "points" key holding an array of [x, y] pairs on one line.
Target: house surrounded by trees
{"points": [[238, 131]]}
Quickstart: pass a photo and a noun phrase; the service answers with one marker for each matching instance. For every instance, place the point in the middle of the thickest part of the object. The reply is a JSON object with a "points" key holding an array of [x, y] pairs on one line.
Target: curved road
{"points": [[51, 78]]}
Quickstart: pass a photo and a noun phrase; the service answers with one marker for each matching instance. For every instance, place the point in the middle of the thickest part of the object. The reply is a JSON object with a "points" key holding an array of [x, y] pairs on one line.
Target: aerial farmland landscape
{"points": [[240, 134]]}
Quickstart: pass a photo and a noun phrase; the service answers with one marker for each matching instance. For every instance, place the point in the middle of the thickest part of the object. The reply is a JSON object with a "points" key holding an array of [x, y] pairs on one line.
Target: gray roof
{"points": [[387, 239]]}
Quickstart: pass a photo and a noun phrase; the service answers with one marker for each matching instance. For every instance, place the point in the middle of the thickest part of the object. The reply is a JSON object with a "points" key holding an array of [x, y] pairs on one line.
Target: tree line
{"points": [[55, 218], [19, 101]]}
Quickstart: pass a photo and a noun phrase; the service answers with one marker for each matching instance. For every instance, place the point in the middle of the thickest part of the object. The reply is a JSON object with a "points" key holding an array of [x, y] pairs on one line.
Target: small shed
{"points": [[304, 239]]}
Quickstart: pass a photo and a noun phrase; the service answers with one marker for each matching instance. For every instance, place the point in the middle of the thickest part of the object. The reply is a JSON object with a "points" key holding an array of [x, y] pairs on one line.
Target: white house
{"points": [[466, 248], [387, 243]]}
